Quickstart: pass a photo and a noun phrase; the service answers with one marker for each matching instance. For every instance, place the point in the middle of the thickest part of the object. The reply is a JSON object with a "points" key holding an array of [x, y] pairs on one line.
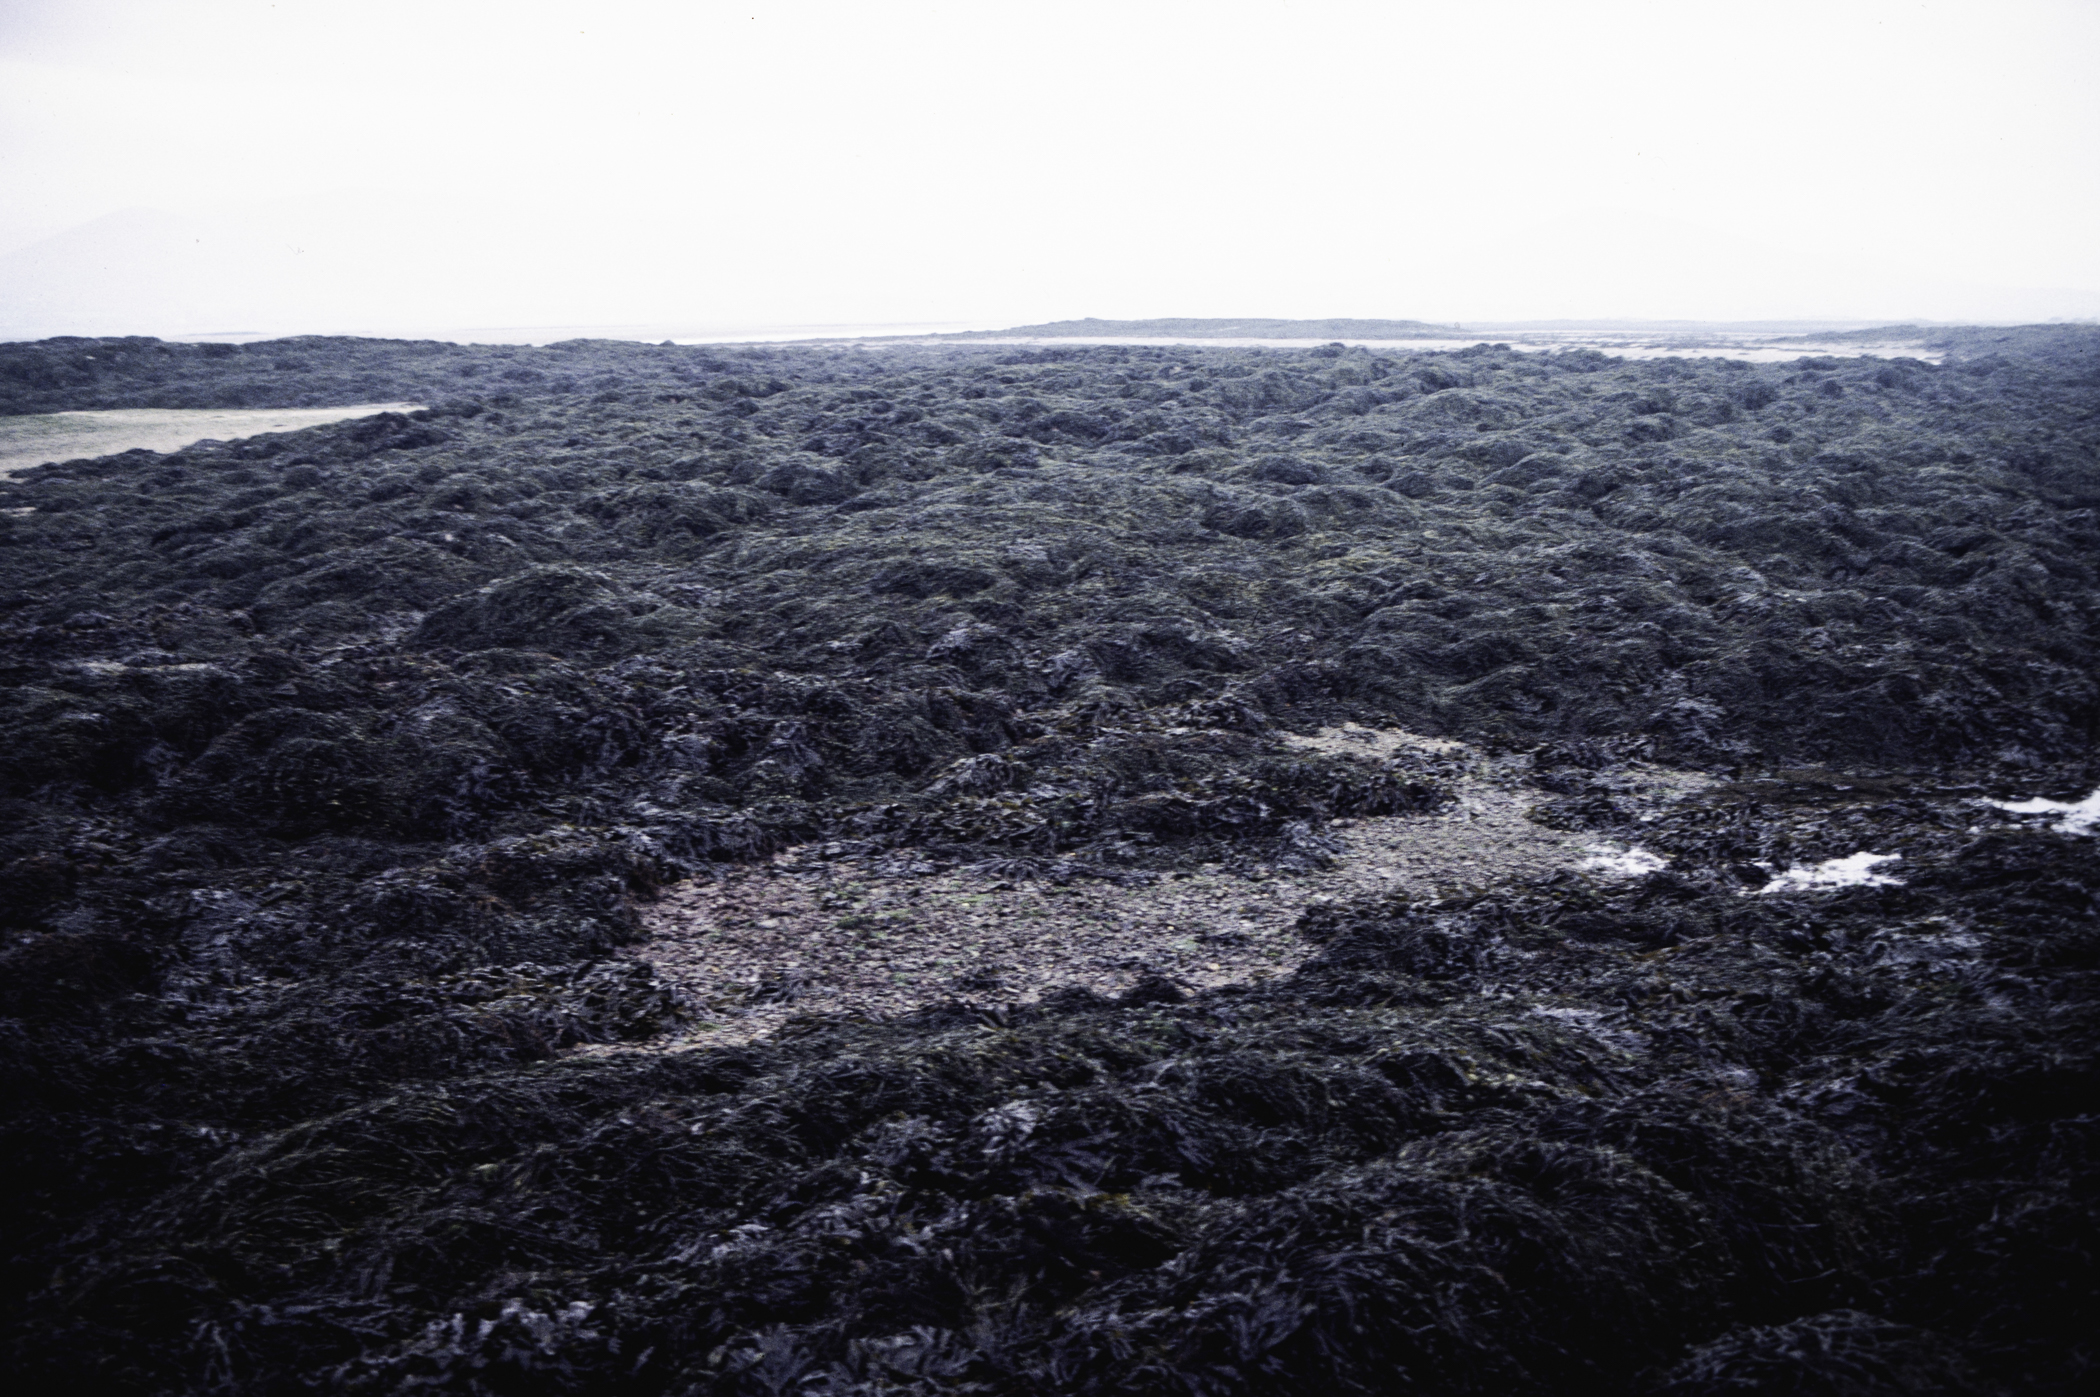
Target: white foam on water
{"points": [[1851, 871], [1609, 862], [2079, 816]]}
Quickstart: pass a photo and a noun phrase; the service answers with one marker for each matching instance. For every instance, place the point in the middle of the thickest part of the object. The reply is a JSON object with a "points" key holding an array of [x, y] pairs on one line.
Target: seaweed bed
{"points": [[340, 766]]}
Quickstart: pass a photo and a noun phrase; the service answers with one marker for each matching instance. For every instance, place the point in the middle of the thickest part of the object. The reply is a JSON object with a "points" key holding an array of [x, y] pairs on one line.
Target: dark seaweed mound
{"points": [[337, 763], [75, 373]]}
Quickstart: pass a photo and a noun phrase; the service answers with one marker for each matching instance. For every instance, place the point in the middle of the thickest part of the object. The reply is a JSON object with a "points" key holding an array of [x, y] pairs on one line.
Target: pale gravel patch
{"points": [[1611, 861], [762, 944]]}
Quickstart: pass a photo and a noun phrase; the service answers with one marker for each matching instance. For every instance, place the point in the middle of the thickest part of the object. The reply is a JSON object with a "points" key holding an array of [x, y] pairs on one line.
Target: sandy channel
{"points": [[41, 438], [804, 934]]}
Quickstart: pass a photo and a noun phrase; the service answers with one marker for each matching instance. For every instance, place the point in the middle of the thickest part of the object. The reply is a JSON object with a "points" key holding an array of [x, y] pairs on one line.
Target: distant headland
{"points": [[1267, 329]]}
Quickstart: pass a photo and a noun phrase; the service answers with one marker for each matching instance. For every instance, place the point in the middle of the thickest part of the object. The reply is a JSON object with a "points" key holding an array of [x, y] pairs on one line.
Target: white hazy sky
{"points": [[378, 165]]}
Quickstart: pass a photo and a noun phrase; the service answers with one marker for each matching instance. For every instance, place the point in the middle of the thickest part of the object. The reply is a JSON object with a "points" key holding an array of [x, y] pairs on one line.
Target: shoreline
{"points": [[28, 441]]}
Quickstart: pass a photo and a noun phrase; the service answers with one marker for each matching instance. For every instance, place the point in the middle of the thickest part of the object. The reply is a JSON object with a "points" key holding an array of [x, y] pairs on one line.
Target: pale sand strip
{"points": [[40, 438]]}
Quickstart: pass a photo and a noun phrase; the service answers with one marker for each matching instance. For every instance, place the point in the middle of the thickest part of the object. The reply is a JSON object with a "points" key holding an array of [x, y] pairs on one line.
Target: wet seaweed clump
{"points": [[339, 767]]}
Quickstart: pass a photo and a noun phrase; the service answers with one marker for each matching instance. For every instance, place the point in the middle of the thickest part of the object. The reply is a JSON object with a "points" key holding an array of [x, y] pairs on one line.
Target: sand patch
{"points": [[40, 438]]}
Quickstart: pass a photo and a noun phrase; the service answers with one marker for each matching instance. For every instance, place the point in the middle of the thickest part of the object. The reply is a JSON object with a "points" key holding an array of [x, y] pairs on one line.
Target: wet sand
{"points": [[64, 436]]}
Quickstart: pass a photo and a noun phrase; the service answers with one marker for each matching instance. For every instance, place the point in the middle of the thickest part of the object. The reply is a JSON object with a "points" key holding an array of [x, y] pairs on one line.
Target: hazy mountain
{"points": [[147, 271]]}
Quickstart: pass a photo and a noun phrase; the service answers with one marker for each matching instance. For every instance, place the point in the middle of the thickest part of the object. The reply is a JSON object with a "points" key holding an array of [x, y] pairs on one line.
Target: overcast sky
{"points": [[391, 166]]}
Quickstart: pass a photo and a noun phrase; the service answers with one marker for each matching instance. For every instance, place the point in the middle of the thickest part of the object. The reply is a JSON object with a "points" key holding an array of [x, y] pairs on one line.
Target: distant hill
{"points": [[1229, 329]]}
